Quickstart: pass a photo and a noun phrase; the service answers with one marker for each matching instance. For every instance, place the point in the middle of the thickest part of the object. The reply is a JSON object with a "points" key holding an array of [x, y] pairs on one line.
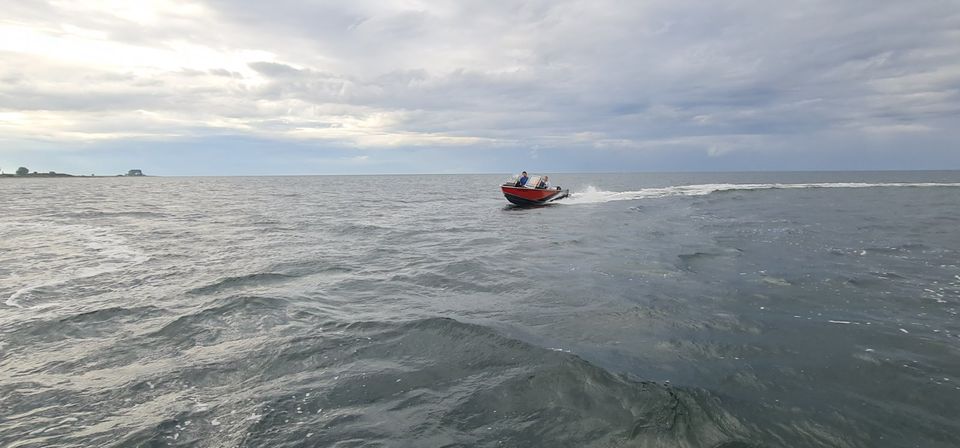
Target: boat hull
{"points": [[532, 196]]}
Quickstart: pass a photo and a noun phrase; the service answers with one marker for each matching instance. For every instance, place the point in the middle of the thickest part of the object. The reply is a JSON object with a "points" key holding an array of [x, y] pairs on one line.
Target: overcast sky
{"points": [[407, 86]]}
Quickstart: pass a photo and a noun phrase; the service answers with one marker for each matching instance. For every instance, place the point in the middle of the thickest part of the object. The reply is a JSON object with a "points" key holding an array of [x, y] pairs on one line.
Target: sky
{"points": [[253, 87]]}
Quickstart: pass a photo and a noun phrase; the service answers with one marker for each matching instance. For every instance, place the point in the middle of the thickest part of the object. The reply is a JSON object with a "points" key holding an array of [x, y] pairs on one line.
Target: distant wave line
{"points": [[592, 195]]}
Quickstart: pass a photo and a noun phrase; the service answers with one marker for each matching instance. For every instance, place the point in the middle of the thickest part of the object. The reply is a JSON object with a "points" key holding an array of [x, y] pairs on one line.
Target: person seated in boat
{"points": [[544, 183], [522, 181]]}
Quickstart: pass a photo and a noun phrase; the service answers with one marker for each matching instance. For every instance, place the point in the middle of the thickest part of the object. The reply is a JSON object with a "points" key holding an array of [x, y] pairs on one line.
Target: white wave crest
{"points": [[593, 195]]}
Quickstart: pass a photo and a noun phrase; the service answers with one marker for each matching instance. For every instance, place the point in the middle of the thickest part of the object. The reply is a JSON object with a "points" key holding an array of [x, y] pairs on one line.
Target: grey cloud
{"points": [[225, 73], [545, 72], [275, 70]]}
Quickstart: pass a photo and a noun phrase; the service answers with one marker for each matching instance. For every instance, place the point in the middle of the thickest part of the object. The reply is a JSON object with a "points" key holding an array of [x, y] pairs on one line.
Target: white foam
{"points": [[593, 195], [85, 252]]}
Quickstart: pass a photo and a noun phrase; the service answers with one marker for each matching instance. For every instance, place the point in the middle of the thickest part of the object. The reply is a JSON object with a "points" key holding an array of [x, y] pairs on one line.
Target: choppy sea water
{"points": [[649, 310]]}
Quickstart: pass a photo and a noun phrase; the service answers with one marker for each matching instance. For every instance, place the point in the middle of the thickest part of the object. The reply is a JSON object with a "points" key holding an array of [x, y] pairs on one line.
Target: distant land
{"points": [[23, 173]]}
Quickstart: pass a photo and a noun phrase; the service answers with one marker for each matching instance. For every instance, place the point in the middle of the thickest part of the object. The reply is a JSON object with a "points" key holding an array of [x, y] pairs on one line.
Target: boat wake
{"points": [[593, 195], [53, 255]]}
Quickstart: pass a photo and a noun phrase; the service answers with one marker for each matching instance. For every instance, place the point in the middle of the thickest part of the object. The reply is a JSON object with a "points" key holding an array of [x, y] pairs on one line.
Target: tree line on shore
{"points": [[25, 172]]}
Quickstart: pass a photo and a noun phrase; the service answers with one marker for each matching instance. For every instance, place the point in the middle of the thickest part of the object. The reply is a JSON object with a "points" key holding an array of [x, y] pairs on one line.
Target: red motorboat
{"points": [[529, 195]]}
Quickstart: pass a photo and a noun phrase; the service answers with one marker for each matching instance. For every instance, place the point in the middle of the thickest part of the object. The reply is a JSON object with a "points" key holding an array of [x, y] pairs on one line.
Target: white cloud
{"points": [[723, 77]]}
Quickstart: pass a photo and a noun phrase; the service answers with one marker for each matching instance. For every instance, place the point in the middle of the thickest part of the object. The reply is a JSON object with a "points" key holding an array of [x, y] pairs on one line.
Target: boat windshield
{"points": [[532, 181]]}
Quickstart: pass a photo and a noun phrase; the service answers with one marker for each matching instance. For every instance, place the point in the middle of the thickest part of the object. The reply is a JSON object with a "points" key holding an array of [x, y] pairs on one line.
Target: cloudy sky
{"points": [[423, 86]]}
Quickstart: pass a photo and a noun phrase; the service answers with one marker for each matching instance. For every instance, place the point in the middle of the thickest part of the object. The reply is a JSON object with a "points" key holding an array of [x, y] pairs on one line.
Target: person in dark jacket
{"points": [[544, 182]]}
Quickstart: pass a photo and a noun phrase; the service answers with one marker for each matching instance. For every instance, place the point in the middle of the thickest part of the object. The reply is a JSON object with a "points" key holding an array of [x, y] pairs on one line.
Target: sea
{"points": [[733, 310]]}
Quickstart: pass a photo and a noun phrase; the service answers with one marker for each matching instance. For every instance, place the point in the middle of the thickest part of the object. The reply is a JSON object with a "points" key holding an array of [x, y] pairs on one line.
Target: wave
{"points": [[437, 381], [593, 195], [228, 283], [90, 324]]}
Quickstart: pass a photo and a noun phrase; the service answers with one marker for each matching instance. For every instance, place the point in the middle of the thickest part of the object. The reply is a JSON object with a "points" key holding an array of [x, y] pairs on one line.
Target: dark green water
{"points": [[653, 310]]}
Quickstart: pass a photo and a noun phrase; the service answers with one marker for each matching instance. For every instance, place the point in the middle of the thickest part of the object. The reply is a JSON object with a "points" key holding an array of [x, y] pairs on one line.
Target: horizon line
{"points": [[31, 175]]}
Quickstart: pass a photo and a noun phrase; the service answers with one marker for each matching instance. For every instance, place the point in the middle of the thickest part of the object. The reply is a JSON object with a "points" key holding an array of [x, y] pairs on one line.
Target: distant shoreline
{"points": [[37, 175], [60, 175]]}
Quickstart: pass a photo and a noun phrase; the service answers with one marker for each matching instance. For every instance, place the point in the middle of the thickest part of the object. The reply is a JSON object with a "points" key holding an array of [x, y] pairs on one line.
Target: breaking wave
{"points": [[593, 195]]}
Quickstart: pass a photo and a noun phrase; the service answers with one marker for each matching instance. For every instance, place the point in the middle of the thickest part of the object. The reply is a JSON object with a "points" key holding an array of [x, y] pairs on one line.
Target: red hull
{"points": [[532, 196]]}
